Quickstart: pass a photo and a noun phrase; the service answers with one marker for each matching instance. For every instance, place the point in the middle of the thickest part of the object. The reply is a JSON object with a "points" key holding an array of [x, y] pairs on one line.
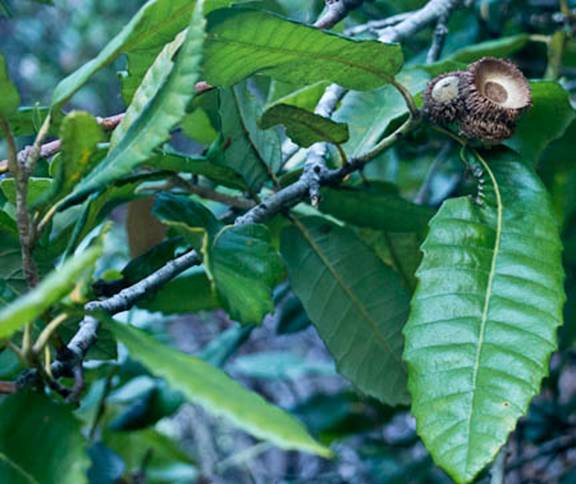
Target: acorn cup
{"points": [[495, 95], [443, 98]]}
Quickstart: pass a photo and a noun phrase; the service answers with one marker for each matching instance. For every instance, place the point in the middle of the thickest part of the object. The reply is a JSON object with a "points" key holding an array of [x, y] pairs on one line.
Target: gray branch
{"points": [[336, 10], [86, 335], [418, 20]]}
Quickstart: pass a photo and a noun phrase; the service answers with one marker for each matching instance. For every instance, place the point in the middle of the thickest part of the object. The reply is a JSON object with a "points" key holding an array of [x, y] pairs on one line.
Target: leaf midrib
{"points": [[149, 33], [18, 468], [487, 300], [348, 290], [244, 126], [338, 60]]}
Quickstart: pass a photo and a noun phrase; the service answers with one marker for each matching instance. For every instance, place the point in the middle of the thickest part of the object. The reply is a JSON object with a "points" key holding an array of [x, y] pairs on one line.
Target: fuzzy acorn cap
{"points": [[496, 90], [489, 131], [443, 100]]}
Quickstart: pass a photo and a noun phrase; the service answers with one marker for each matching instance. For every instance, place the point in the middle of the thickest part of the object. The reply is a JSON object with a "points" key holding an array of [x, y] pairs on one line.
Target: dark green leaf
{"points": [[217, 393], [249, 151], [549, 117], [198, 166], [245, 267], [107, 466], [244, 42], [357, 304], [221, 348], [189, 217], [12, 279], [186, 294], [398, 250], [484, 317], [303, 127], [32, 422], [291, 316], [376, 209], [149, 262], [157, 403]]}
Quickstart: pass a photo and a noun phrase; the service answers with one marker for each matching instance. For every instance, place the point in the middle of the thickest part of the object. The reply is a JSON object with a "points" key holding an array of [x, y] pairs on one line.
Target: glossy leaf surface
{"points": [[244, 42], [484, 317]]}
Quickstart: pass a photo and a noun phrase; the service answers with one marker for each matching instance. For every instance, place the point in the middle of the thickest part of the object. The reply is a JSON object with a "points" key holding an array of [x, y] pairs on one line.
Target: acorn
{"points": [[443, 98], [495, 94]]}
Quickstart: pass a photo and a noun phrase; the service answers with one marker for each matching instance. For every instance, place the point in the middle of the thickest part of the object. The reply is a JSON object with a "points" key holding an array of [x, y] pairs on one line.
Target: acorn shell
{"points": [[443, 98], [495, 91]]}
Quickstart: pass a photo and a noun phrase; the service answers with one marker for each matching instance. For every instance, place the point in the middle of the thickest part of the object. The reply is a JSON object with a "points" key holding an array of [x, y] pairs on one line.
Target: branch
{"points": [[297, 192], [336, 10], [7, 387], [375, 25], [433, 10], [211, 194], [124, 300]]}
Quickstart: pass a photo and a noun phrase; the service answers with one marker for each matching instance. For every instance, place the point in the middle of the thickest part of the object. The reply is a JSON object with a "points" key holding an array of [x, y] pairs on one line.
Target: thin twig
{"points": [[47, 333], [50, 149], [16, 162], [7, 387], [86, 335], [314, 164], [438, 40], [211, 194]]}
